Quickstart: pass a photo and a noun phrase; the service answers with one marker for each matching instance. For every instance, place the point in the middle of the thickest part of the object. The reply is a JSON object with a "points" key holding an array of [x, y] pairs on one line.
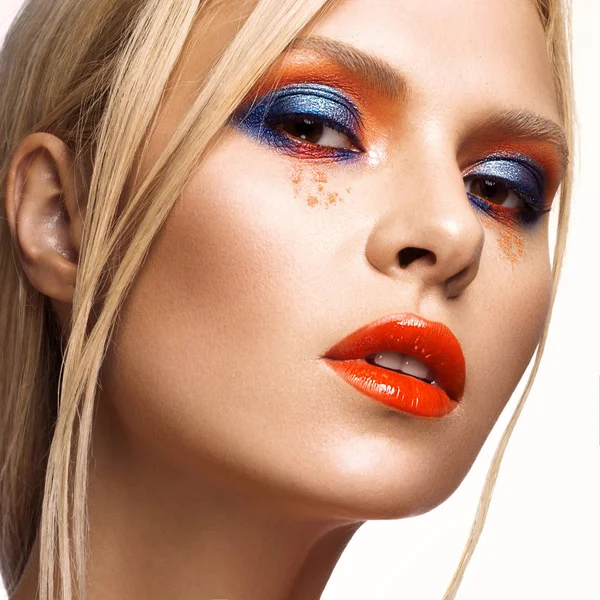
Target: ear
{"points": [[42, 192]]}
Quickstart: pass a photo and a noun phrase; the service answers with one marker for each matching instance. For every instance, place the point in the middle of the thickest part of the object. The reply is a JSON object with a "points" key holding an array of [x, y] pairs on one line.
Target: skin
{"points": [[229, 461]]}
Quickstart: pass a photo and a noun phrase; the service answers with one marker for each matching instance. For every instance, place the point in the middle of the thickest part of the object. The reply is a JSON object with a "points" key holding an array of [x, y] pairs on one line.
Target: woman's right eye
{"points": [[311, 130], [307, 120]]}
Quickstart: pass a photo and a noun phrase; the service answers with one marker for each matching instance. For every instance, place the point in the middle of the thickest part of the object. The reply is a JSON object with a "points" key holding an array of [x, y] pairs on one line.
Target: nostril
{"points": [[409, 255]]}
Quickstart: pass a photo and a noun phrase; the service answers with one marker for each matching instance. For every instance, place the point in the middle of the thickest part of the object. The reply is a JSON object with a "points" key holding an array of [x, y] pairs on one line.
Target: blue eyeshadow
{"points": [[322, 104]]}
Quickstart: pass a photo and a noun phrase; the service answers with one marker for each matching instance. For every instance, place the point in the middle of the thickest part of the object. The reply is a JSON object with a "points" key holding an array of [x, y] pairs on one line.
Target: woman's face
{"points": [[289, 236]]}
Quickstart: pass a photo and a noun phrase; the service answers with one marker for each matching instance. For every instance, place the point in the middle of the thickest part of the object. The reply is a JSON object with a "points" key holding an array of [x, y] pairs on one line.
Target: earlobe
{"points": [[43, 214]]}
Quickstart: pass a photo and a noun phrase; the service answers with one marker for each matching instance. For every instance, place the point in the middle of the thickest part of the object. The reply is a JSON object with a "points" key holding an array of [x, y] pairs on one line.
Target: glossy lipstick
{"points": [[432, 343]]}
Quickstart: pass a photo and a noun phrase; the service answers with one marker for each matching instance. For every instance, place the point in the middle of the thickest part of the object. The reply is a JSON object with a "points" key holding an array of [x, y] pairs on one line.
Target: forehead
{"points": [[454, 53]]}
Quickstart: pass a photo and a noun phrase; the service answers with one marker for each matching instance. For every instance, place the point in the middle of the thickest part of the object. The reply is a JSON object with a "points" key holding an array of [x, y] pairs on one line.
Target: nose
{"points": [[428, 229]]}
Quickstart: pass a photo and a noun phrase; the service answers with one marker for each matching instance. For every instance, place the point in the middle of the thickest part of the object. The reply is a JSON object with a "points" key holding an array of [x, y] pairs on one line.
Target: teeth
{"points": [[404, 363]]}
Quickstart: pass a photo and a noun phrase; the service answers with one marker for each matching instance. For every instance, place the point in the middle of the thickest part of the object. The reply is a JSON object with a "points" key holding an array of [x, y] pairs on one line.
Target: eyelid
{"points": [[531, 165], [318, 101], [318, 90]]}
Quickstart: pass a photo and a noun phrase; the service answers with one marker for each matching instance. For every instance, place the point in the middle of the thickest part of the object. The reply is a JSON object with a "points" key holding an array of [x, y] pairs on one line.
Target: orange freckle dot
{"points": [[312, 201], [297, 175], [320, 177], [320, 187], [348, 190], [333, 197]]}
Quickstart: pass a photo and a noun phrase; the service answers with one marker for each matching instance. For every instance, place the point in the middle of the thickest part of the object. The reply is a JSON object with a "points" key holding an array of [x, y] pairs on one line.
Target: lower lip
{"points": [[399, 391]]}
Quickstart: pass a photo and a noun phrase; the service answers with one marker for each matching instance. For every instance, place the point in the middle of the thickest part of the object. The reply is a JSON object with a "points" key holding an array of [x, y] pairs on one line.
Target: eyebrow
{"points": [[373, 70], [386, 79], [524, 124]]}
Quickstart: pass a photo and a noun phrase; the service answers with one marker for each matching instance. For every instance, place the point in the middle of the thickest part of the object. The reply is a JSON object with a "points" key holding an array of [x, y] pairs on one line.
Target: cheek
{"points": [[512, 303], [211, 288], [214, 344]]}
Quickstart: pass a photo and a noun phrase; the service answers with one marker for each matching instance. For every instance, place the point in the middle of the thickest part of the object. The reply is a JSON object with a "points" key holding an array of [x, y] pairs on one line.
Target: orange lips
{"points": [[432, 343]]}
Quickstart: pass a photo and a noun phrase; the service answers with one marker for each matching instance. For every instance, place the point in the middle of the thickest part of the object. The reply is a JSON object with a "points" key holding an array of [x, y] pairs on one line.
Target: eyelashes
{"points": [[316, 121]]}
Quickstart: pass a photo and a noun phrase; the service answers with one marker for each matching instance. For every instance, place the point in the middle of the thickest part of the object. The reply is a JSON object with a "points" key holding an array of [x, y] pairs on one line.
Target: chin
{"points": [[393, 487]]}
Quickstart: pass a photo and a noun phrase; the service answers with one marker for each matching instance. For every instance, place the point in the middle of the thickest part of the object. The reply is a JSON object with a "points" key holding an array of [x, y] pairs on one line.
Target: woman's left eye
{"points": [[308, 120], [516, 184], [496, 192]]}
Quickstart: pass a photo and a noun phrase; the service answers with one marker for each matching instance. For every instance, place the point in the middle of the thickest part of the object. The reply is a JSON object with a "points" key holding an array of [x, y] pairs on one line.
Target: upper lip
{"points": [[431, 342]]}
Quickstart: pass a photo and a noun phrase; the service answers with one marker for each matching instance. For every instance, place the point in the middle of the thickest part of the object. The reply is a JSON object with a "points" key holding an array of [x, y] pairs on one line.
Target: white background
{"points": [[541, 539]]}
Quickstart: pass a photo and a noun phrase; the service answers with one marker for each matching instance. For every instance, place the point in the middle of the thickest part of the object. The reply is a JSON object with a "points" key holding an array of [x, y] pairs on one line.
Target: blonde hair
{"points": [[95, 74]]}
